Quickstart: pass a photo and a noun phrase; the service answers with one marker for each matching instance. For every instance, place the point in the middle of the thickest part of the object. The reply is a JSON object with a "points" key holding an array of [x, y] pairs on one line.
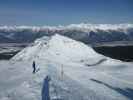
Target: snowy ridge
{"points": [[60, 48], [32, 50]]}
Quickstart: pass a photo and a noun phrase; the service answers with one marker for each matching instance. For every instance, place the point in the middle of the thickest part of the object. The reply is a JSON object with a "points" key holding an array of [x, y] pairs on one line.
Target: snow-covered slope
{"points": [[76, 71], [59, 48]]}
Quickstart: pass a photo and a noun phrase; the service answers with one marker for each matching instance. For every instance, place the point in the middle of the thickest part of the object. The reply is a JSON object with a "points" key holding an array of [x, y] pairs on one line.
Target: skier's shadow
{"points": [[45, 89]]}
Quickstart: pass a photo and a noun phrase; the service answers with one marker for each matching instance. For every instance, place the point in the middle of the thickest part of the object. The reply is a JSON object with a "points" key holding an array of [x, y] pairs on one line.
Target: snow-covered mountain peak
{"points": [[75, 70], [59, 48]]}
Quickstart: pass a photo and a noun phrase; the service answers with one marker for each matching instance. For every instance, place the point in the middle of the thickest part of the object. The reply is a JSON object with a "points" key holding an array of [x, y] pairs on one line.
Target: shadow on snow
{"points": [[127, 92]]}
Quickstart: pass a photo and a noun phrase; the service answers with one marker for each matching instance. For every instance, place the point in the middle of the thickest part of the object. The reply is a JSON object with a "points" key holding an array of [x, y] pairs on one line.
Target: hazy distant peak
{"points": [[87, 33], [82, 27]]}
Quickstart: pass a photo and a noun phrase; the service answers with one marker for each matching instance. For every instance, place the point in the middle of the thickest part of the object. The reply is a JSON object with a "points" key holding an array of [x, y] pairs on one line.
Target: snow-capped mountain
{"points": [[59, 48], [76, 71], [87, 33]]}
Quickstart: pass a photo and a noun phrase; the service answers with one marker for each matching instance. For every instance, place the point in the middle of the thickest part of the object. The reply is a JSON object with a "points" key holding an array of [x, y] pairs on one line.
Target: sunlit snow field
{"points": [[77, 72]]}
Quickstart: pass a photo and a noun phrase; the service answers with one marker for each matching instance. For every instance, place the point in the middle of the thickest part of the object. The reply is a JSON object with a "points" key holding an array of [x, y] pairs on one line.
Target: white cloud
{"points": [[79, 27]]}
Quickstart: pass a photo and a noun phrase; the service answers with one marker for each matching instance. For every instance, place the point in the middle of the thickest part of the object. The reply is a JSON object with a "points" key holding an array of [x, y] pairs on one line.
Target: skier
{"points": [[62, 72], [34, 67], [45, 89]]}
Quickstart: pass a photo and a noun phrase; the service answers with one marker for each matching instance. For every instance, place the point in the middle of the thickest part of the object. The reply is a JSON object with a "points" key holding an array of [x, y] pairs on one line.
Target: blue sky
{"points": [[56, 12]]}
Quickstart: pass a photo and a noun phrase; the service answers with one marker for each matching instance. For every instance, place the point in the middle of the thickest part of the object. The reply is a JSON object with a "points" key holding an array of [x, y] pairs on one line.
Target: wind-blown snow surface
{"points": [[86, 74]]}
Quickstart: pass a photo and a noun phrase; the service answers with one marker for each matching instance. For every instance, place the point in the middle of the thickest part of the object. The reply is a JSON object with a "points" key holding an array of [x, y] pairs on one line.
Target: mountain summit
{"points": [[59, 48]]}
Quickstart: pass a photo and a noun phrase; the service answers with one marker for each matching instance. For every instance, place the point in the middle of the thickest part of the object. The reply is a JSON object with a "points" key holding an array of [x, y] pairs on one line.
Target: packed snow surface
{"points": [[77, 72]]}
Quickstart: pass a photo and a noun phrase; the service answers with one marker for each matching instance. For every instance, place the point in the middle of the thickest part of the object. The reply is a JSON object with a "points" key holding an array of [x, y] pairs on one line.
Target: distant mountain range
{"points": [[87, 33]]}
